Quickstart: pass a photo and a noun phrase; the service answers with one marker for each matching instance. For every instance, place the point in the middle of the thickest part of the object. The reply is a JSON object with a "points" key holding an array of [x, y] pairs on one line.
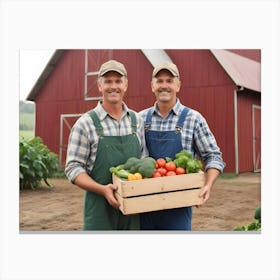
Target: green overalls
{"points": [[111, 151]]}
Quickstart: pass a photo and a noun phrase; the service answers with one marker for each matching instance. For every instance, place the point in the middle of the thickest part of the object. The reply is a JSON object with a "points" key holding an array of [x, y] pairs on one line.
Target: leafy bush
{"points": [[254, 226], [37, 163]]}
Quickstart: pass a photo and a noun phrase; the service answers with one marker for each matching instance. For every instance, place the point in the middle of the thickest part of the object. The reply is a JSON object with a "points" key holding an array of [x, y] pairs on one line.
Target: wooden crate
{"points": [[160, 193]]}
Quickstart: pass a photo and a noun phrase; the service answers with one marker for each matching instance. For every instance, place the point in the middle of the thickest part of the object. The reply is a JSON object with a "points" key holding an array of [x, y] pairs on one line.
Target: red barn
{"points": [[224, 85]]}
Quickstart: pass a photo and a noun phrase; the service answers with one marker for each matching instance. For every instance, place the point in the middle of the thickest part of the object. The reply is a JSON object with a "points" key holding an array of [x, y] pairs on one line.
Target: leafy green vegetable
{"points": [[182, 161], [37, 163], [254, 226], [184, 153], [193, 166], [185, 160], [257, 214]]}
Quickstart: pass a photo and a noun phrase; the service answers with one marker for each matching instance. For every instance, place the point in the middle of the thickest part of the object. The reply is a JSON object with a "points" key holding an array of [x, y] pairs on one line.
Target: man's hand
{"points": [[205, 193], [109, 194]]}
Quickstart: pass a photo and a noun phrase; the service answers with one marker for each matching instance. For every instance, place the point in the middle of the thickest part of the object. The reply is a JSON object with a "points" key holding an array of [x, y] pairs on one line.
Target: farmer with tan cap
{"points": [[95, 145], [169, 128]]}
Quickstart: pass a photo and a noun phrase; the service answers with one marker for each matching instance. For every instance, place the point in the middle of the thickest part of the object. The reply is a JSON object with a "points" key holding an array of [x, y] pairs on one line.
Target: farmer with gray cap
{"points": [[169, 128], [95, 145]]}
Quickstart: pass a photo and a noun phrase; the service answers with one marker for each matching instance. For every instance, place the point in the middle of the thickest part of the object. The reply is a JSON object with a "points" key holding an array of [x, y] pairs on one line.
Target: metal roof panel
{"points": [[243, 71]]}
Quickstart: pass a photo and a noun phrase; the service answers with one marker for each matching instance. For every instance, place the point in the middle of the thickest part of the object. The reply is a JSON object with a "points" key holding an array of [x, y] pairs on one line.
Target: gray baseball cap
{"points": [[171, 67], [112, 65]]}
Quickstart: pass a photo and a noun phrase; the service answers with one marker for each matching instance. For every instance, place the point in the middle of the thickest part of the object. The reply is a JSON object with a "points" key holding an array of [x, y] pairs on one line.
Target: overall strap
{"points": [[181, 119], [97, 124], [133, 121], [148, 121]]}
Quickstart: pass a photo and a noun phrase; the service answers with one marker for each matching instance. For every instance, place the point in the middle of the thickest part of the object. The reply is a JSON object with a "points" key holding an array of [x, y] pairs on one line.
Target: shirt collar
{"points": [[102, 114], [176, 109]]}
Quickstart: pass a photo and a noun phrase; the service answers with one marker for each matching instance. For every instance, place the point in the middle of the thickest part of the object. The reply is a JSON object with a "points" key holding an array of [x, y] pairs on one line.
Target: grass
{"points": [[26, 118], [26, 134], [26, 122], [227, 176]]}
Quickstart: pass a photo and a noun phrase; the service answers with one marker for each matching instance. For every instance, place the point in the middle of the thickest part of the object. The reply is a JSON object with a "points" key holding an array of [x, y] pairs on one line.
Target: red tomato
{"points": [[161, 162], [170, 166], [156, 174], [162, 171], [180, 170], [171, 173]]}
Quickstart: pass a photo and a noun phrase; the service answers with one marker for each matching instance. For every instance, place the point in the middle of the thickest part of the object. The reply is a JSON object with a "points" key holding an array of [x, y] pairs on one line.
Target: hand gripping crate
{"points": [[139, 196]]}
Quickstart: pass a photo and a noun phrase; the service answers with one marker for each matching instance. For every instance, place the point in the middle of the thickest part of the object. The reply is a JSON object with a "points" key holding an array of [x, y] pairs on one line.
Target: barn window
{"points": [[93, 61]]}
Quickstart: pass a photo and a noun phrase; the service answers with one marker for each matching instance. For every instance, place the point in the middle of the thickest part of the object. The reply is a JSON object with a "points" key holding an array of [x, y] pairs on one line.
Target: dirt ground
{"points": [[59, 208]]}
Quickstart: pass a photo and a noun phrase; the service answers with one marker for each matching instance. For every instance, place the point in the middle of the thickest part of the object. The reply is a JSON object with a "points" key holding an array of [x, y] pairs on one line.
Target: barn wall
{"points": [[205, 87], [245, 129], [66, 82], [208, 89], [63, 92]]}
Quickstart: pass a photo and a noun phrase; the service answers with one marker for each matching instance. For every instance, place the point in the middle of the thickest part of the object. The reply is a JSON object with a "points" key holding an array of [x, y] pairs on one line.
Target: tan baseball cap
{"points": [[171, 67], [112, 65]]}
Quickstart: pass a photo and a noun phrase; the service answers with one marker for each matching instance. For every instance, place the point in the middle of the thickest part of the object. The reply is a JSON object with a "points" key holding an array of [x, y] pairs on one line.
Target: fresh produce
{"points": [[160, 162], [139, 168], [185, 160], [180, 170], [170, 166], [171, 173], [193, 166], [182, 164], [120, 172], [131, 164]]}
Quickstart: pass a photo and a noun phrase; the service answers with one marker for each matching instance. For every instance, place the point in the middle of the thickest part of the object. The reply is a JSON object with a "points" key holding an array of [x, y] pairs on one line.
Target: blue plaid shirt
{"points": [[196, 135]]}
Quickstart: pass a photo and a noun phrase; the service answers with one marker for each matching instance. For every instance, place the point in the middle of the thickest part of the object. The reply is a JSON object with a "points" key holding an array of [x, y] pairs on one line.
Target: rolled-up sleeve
{"points": [[206, 146], [78, 152]]}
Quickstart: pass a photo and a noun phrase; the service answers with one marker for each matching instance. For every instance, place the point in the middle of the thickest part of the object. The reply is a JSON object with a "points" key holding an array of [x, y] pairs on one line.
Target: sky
{"points": [[32, 63]]}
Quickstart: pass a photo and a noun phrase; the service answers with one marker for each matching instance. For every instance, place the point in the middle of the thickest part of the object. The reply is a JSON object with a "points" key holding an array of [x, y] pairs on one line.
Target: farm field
{"points": [[26, 124], [59, 208], [26, 134]]}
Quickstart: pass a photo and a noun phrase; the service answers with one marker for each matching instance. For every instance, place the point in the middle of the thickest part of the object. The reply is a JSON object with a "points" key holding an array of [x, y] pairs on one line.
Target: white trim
{"points": [[253, 137], [156, 57], [85, 77], [236, 133], [62, 121]]}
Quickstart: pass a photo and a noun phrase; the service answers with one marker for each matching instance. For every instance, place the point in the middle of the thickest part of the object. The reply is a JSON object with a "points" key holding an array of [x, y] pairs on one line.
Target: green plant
{"points": [[37, 163], [254, 226]]}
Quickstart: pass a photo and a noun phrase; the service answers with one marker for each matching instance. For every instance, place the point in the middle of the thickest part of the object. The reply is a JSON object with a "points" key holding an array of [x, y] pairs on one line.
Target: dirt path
{"points": [[232, 203]]}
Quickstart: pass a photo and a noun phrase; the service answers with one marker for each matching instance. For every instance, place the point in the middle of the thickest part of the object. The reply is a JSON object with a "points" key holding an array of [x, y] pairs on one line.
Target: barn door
{"points": [[66, 123], [256, 137]]}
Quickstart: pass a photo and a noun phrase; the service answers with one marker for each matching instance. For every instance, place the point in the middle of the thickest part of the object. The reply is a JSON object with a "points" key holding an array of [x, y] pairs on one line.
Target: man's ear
{"points": [[178, 86], [152, 86], [99, 85]]}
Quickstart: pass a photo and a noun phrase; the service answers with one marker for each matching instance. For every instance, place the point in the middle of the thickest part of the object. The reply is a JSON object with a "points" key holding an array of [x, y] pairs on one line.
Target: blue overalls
{"points": [[163, 144]]}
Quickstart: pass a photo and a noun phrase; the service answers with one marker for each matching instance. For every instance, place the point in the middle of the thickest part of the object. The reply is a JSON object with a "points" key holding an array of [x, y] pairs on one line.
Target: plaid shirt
{"points": [[83, 139], [196, 135]]}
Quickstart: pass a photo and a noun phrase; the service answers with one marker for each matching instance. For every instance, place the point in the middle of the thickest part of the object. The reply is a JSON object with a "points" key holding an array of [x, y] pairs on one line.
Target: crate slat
{"points": [[161, 201], [158, 185]]}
